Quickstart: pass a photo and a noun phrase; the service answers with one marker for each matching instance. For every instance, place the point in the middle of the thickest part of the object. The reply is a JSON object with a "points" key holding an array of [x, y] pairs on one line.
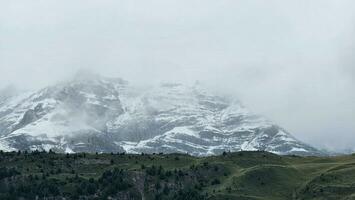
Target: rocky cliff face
{"points": [[99, 114]]}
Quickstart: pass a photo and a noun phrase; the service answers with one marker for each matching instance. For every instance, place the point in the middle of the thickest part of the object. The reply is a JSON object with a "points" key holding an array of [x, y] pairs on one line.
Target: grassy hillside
{"points": [[242, 175]]}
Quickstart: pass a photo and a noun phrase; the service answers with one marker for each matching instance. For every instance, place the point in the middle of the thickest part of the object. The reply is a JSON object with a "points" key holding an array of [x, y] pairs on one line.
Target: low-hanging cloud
{"points": [[289, 60]]}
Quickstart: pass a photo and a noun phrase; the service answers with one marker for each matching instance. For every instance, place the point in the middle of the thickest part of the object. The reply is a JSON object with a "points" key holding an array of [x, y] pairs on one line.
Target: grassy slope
{"points": [[243, 175]]}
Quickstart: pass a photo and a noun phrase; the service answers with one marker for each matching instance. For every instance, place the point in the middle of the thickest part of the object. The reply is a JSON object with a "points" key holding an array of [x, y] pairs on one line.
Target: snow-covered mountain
{"points": [[97, 114]]}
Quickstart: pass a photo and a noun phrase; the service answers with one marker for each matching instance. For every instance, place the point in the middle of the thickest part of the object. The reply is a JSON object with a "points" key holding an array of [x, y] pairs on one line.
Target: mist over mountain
{"points": [[291, 61]]}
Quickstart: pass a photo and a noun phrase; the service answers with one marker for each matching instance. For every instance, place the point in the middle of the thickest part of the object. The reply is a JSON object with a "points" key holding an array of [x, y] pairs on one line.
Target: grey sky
{"points": [[292, 61]]}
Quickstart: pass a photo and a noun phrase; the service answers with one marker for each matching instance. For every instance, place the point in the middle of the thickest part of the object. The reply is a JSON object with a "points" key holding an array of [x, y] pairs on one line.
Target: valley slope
{"points": [[242, 175]]}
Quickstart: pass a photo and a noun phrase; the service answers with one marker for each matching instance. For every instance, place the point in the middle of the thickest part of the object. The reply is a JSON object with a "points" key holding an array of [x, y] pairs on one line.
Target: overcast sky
{"points": [[290, 60]]}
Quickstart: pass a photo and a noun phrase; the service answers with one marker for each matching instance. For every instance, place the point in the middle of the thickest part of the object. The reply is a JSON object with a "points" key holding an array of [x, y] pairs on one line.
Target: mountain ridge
{"points": [[98, 114]]}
